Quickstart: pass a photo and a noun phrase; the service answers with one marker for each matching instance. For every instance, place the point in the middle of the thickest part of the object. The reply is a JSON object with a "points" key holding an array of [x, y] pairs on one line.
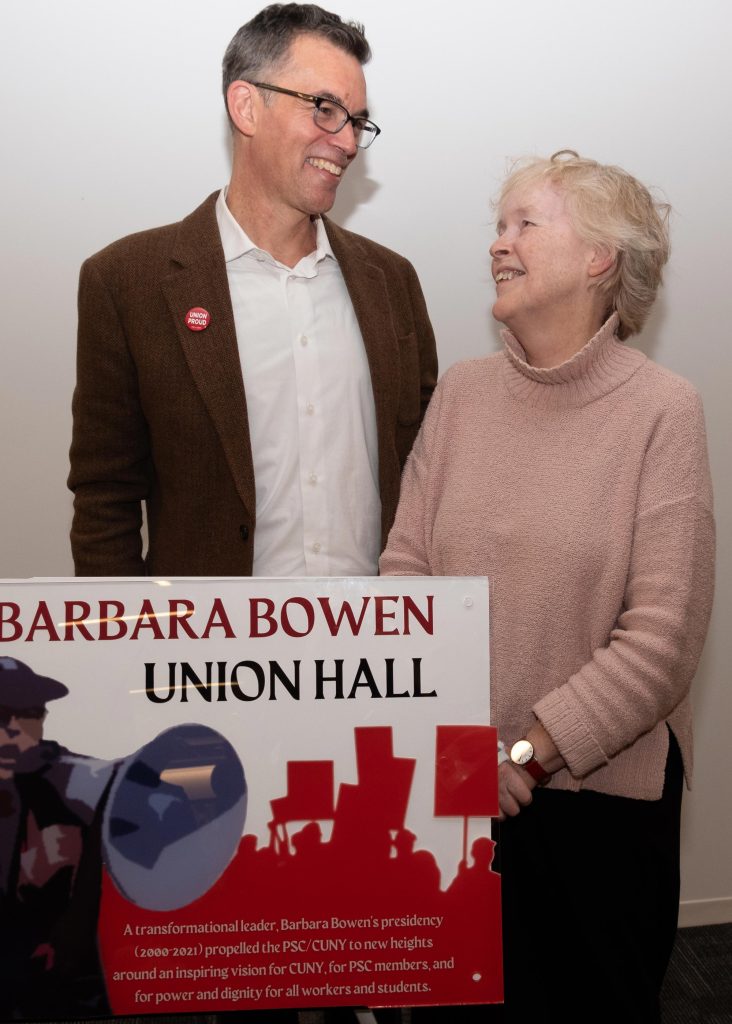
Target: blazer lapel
{"points": [[212, 354], [367, 288]]}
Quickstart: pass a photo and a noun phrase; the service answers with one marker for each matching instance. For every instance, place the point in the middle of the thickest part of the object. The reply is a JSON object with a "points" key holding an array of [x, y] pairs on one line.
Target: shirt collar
{"points": [[322, 242], [236, 242]]}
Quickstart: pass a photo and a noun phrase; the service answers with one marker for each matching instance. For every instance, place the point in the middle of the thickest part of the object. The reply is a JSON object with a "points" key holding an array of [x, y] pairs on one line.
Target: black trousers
{"points": [[590, 891]]}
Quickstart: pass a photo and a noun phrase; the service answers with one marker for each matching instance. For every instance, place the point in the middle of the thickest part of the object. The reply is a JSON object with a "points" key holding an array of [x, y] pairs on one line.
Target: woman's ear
{"points": [[602, 260]]}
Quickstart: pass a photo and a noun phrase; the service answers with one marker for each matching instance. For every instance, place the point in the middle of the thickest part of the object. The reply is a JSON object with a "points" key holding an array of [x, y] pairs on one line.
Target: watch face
{"points": [[521, 752]]}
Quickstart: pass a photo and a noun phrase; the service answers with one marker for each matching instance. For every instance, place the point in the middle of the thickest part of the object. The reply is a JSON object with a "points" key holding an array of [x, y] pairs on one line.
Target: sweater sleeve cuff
{"points": [[570, 734]]}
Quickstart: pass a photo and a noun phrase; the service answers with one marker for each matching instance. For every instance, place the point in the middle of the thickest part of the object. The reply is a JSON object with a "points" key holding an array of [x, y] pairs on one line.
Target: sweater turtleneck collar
{"points": [[597, 369]]}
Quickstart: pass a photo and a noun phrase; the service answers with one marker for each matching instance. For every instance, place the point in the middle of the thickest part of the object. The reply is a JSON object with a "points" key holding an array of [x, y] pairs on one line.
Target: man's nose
{"points": [[10, 728], [345, 140]]}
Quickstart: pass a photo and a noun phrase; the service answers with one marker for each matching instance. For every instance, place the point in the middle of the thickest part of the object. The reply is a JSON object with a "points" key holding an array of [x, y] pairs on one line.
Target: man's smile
{"points": [[325, 165]]}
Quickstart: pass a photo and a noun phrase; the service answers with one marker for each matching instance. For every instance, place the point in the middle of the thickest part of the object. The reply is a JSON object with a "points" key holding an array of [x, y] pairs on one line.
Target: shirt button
{"points": [[304, 340], [313, 478], [316, 547], [310, 408]]}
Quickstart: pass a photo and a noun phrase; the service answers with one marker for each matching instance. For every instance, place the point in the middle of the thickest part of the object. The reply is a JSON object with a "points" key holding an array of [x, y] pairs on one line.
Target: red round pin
{"points": [[197, 319]]}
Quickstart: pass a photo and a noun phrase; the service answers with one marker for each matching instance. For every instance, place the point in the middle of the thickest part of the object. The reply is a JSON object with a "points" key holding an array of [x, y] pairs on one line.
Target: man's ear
{"points": [[242, 103], [602, 260]]}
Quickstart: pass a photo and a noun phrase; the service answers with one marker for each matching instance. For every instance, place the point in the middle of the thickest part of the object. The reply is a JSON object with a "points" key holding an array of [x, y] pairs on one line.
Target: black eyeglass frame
{"points": [[360, 124]]}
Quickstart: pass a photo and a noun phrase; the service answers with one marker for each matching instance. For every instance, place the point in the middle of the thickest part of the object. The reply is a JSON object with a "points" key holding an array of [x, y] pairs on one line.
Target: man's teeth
{"points": [[326, 165], [508, 275]]}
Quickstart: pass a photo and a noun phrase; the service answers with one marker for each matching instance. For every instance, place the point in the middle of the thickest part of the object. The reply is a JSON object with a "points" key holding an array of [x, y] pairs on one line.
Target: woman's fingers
{"points": [[514, 791]]}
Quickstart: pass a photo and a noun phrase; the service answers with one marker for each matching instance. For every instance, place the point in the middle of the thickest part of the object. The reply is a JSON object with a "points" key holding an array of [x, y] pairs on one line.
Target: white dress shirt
{"points": [[311, 411]]}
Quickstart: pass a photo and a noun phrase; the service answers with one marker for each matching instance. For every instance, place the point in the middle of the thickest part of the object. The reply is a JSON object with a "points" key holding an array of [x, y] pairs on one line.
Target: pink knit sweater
{"points": [[583, 493]]}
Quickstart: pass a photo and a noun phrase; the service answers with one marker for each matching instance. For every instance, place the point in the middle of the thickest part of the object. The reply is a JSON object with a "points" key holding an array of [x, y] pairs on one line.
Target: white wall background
{"points": [[112, 122]]}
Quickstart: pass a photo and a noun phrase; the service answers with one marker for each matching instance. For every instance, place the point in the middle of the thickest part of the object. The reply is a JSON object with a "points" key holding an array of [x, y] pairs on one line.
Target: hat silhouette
{"points": [[21, 687]]}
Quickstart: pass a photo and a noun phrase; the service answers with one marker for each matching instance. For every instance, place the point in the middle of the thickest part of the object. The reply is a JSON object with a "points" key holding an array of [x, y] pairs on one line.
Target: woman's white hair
{"points": [[610, 209]]}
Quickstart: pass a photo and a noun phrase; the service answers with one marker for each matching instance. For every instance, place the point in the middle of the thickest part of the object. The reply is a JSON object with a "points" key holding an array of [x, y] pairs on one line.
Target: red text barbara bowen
{"points": [[182, 618]]}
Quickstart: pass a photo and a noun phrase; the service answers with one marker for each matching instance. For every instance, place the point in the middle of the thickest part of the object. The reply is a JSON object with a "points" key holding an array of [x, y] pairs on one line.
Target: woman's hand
{"points": [[515, 784], [514, 790]]}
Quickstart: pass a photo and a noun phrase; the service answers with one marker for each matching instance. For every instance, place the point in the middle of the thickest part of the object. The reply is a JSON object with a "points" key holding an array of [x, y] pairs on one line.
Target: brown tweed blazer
{"points": [[160, 413]]}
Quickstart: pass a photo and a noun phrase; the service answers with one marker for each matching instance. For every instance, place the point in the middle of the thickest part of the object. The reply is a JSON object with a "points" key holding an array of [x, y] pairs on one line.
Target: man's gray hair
{"points": [[264, 42]]}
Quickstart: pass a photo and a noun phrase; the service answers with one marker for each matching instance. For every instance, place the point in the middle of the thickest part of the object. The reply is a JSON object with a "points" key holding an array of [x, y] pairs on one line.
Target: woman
{"points": [[572, 471]]}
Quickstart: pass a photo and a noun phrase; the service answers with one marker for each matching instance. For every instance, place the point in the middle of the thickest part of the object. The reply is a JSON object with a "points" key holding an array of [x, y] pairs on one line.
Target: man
{"points": [[50, 860], [255, 375]]}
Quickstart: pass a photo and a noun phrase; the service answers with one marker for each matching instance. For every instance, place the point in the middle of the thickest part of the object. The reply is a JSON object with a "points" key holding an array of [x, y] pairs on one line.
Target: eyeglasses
{"points": [[332, 116]]}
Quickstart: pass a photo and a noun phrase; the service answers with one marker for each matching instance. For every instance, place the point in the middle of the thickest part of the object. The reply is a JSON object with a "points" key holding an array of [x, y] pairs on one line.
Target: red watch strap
{"points": [[536, 771]]}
